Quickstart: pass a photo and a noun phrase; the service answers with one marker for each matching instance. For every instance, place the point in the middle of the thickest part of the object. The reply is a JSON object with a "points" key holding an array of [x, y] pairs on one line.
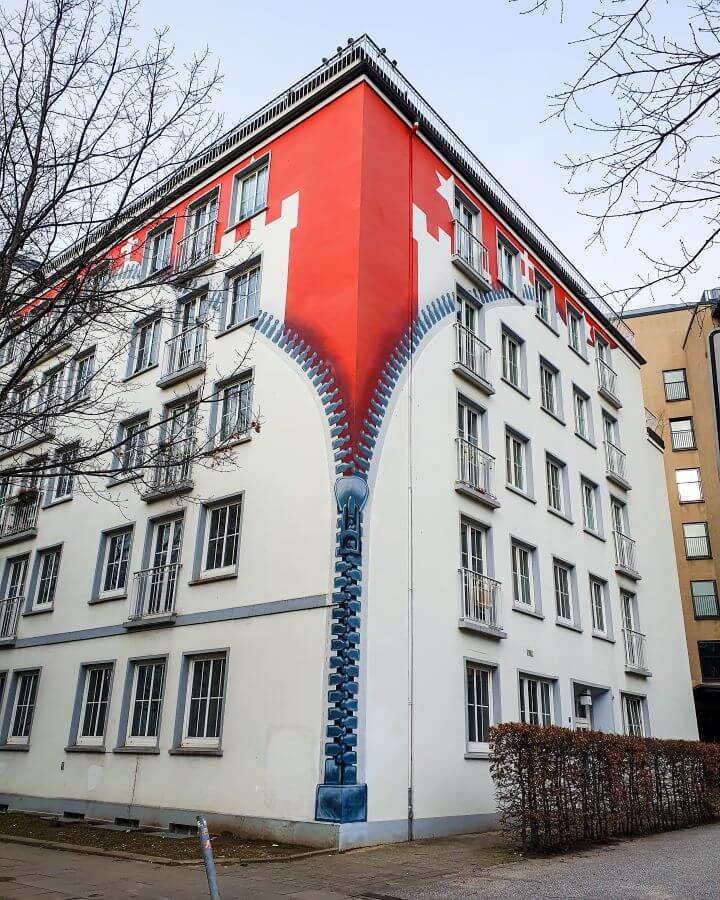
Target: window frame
{"points": [[550, 373], [549, 297], [540, 682], [153, 236], [602, 592], [509, 339], [701, 497], [627, 725], [694, 596], [186, 743], [578, 328], [508, 253], [200, 573], [77, 739], [581, 397], [684, 382], [479, 747], [706, 535], [153, 322], [239, 178], [245, 271], [36, 578], [246, 378], [591, 489], [141, 742], [560, 565], [513, 439], [106, 538], [59, 477], [691, 429], [77, 391], [12, 703], [518, 547]]}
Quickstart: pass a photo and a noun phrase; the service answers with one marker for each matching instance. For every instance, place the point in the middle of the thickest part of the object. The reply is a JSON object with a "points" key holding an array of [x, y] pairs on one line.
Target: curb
{"points": [[157, 860]]}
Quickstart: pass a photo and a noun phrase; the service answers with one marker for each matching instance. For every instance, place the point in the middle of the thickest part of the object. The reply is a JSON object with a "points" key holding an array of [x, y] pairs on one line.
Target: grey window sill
{"points": [[251, 320], [586, 440], [21, 748], [195, 751], [138, 751], [97, 600], [603, 637], [478, 754], [140, 372], [39, 612], [78, 748], [245, 219], [571, 626], [580, 355], [548, 325], [553, 415], [527, 611], [520, 493], [554, 512], [515, 387], [594, 534], [209, 579]]}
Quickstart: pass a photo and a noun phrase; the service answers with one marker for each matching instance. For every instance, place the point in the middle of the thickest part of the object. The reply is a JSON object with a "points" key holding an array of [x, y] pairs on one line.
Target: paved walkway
{"points": [[684, 864]]}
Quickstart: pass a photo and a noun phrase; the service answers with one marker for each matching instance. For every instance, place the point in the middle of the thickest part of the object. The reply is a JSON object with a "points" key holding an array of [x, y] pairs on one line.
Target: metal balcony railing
{"points": [[697, 547], [154, 593], [683, 439], [186, 350], [474, 466], [19, 514], [197, 246], [607, 378], [9, 617], [172, 466], [480, 598], [471, 250], [706, 606], [634, 649], [625, 552], [615, 460], [676, 390], [472, 353]]}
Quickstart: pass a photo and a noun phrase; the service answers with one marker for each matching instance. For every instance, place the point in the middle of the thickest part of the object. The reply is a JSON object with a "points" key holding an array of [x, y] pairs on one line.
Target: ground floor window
{"points": [[146, 697], [23, 708], [478, 680], [536, 696], [633, 715], [95, 703], [205, 700]]}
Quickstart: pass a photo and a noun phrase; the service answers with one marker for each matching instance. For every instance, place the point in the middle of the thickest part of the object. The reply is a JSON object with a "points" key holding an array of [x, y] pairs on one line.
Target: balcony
{"points": [[9, 617], [185, 355], [172, 471], [706, 606], [480, 604], [697, 547], [18, 517], [474, 473], [196, 248], [625, 563], [471, 256], [682, 438], [607, 383], [472, 358], [154, 592], [635, 658], [616, 465], [676, 390]]}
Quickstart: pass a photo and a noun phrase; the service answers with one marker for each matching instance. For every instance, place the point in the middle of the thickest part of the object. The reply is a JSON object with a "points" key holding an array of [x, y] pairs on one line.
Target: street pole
{"points": [[207, 853]]}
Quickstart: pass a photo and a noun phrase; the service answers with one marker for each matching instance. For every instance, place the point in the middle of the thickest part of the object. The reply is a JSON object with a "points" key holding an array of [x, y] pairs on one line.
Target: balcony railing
{"points": [[471, 250], [607, 379], [9, 616], [474, 466], [634, 649], [154, 593], [676, 390], [472, 353], [187, 350], [697, 547], [653, 422], [172, 467], [625, 552], [19, 514], [683, 439], [615, 461], [197, 246], [480, 598], [706, 606]]}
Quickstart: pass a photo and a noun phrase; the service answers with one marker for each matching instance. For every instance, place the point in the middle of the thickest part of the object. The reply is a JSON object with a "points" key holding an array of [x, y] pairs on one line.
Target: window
{"points": [[244, 296], [705, 599], [576, 336], [709, 660], [53, 389], [64, 476], [116, 558], [549, 389], [145, 346], [682, 434], [49, 569], [512, 360], [591, 518], [479, 705], [543, 299], [223, 537], [555, 476], [515, 447], [689, 485], [15, 572], [597, 605], [633, 715], [697, 540], [94, 704], [205, 700], [472, 547], [676, 386], [157, 249], [563, 595], [250, 192], [521, 557], [197, 241], [536, 696], [148, 682], [466, 238], [611, 431], [235, 409], [506, 264], [133, 436], [81, 376], [24, 707], [581, 404]]}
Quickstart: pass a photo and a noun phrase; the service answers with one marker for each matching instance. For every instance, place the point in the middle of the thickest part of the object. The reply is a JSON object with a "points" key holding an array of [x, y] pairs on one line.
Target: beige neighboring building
{"points": [[681, 388]]}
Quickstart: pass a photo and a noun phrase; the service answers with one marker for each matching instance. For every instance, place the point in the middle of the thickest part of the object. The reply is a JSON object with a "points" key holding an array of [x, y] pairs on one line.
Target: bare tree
{"points": [[89, 124], [648, 96]]}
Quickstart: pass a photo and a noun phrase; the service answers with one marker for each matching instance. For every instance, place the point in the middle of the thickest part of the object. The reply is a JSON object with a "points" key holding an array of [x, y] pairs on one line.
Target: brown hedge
{"points": [[556, 787]]}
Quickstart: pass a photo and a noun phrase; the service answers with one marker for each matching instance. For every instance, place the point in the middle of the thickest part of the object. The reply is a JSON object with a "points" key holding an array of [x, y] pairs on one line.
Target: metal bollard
{"points": [[207, 853]]}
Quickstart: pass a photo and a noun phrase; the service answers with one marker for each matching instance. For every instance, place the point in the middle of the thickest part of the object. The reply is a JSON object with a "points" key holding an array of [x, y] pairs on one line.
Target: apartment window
{"points": [[250, 192], [473, 548], [23, 707], [48, 571], [555, 477], [244, 296], [697, 540], [52, 392], [676, 386], [536, 698], [507, 261], [81, 376], [705, 599], [235, 409], [94, 704], [148, 683], [549, 388], [515, 450], [562, 579], [205, 701], [682, 434], [466, 235], [521, 557], [15, 573], [116, 557], [157, 249], [133, 437], [633, 715], [591, 517], [543, 299], [478, 681], [64, 480], [145, 346], [576, 336], [709, 660], [597, 605], [689, 485], [223, 537], [512, 360], [581, 405]]}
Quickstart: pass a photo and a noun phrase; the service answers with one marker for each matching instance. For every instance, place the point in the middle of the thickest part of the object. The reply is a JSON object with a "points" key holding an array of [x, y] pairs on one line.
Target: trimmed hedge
{"points": [[556, 787]]}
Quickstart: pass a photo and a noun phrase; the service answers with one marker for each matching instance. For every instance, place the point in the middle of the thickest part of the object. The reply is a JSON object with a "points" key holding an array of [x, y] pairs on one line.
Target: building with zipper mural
{"points": [[453, 515]]}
